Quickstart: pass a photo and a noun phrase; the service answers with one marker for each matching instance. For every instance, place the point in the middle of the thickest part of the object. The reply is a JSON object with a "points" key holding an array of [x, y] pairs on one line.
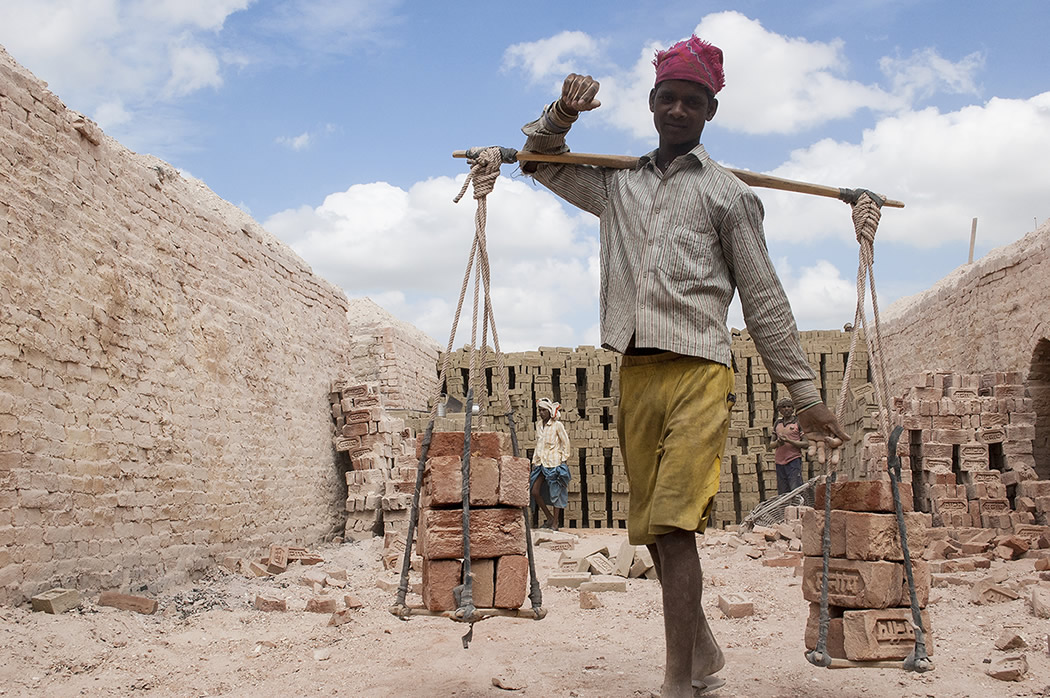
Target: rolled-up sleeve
{"points": [[583, 186]]}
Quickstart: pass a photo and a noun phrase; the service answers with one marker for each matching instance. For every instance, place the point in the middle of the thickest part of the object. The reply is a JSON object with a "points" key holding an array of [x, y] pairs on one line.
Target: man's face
{"points": [[545, 415], [680, 110]]}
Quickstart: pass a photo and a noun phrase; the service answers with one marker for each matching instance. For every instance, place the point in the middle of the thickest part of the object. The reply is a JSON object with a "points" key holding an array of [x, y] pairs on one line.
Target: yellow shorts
{"points": [[673, 424]]}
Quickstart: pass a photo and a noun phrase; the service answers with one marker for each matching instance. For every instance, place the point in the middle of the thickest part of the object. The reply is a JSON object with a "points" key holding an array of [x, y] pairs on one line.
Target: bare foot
{"points": [[709, 683], [708, 658]]}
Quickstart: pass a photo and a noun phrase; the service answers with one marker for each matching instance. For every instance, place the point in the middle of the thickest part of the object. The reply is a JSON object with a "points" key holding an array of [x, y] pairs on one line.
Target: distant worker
{"points": [[549, 478], [789, 442]]}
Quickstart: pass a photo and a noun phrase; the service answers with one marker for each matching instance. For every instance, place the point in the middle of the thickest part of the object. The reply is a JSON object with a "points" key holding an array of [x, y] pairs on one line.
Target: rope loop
{"points": [[484, 171]]}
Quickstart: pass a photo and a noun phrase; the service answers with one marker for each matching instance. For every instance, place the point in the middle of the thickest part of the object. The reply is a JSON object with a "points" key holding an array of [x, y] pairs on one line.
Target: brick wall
{"points": [[985, 317], [394, 355], [165, 366]]}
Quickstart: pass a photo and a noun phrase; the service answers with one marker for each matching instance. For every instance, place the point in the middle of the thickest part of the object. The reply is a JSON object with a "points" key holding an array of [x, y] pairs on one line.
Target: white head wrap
{"points": [[552, 407]]}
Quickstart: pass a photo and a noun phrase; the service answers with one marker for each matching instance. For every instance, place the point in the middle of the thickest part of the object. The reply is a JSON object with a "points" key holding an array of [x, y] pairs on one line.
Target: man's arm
{"points": [[582, 186], [767, 314]]}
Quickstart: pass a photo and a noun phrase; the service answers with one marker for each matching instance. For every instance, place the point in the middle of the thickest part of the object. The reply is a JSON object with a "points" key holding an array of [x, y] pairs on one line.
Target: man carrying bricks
{"points": [[789, 442], [549, 477], [679, 234]]}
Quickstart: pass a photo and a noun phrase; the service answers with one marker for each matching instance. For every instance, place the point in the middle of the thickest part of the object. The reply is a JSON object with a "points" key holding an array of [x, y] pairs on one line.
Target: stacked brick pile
{"points": [[967, 449], [499, 489], [585, 381], [379, 446], [868, 597]]}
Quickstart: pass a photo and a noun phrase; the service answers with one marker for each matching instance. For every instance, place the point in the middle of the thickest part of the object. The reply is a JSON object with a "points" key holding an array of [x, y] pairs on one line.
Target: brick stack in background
{"points": [[868, 596], [967, 450], [585, 381], [383, 465], [499, 489]]}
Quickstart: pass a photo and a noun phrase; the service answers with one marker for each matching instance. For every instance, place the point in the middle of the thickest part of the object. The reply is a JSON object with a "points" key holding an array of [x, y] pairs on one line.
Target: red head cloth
{"points": [[694, 60]]}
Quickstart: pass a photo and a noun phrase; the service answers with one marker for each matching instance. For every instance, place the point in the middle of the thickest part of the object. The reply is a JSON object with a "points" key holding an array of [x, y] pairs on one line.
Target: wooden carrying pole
{"points": [[625, 162]]}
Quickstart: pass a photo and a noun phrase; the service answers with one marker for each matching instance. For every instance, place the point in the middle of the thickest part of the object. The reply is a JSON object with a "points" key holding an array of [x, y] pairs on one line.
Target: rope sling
{"points": [[484, 170], [866, 214]]}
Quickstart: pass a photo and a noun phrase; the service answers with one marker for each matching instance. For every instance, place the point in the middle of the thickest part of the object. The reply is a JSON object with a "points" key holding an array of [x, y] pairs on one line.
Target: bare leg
{"points": [[537, 496], [708, 658], [557, 517]]}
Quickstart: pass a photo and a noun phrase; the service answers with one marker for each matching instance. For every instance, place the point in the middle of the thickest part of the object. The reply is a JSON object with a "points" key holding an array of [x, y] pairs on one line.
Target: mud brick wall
{"points": [[985, 317], [585, 381], [165, 366], [394, 355]]}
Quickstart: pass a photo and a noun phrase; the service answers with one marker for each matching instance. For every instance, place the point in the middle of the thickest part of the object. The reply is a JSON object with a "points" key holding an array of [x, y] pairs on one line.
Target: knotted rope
{"points": [[867, 211], [484, 171]]}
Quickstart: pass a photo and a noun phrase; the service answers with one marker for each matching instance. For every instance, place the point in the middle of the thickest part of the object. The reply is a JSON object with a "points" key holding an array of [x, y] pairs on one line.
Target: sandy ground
{"points": [[207, 640]]}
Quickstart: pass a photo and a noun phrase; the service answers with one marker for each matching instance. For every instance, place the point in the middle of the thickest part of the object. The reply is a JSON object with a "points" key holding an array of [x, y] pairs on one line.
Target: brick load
{"points": [[868, 594], [498, 493]]}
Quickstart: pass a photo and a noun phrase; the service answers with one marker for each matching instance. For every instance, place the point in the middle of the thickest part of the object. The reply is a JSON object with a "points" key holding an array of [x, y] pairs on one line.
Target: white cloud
{"points": [[555, 56], [111, 114], [407, 250], [192, 67], [946, 167], [820, 298], [926, 72], [120, 59], [774, 84], [295, 142], [204, 14]]}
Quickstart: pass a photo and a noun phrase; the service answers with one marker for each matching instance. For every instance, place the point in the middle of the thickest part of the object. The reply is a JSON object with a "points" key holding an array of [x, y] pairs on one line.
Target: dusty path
{"points": [[207, 641]]}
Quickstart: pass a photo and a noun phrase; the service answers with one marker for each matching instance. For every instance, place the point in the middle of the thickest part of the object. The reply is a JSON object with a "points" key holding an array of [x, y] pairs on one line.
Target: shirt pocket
{"points": [[689, 253]]}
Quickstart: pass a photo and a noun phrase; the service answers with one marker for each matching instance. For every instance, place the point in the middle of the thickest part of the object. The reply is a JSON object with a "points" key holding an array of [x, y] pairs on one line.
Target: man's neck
{"points": [[667, 153]]}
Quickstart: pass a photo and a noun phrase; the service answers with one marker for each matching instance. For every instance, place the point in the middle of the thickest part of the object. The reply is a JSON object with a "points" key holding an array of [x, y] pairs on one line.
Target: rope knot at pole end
{"points": [[484, 169], [867, 211]]}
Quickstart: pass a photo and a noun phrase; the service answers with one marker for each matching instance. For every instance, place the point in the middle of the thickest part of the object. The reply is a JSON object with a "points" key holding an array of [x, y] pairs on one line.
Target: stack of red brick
{"points": [[499, 489], [379, 488], [967, 449], [868, 597]]}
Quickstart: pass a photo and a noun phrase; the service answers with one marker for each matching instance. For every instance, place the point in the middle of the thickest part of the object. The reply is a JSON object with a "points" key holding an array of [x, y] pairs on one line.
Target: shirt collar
{"points": [[698, 153]]}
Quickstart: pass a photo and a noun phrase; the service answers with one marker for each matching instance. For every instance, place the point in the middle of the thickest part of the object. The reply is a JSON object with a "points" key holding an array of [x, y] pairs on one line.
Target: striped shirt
{"points": [[675, 245]]}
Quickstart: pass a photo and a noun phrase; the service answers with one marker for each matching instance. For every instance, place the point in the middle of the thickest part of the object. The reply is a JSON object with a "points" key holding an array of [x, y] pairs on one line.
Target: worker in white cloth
{"points": [[549, 477]]}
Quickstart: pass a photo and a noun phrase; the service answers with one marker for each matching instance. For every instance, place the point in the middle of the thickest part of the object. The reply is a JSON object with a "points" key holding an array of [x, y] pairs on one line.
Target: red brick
{"points": [[442, 443], [512, 579], [322, 604], [355, 430], [268, 603], [439, 578], [881, 634], [1033, 488], [877, 537], [443, 481], [487, 444], [59, 600], [493, 532], [490, 444], [483, 587], [854, 583], [735, 606], [864, 495], [513, 481], [128, 602], [834, 641]]}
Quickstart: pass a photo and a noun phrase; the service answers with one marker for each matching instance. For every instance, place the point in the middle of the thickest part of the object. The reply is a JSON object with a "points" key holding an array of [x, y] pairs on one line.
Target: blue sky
{"points": [[332, 123]]}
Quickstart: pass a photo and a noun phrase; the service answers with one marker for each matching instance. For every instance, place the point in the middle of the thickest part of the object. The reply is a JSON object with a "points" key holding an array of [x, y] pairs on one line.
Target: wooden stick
{"points": [[624, 162]]}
